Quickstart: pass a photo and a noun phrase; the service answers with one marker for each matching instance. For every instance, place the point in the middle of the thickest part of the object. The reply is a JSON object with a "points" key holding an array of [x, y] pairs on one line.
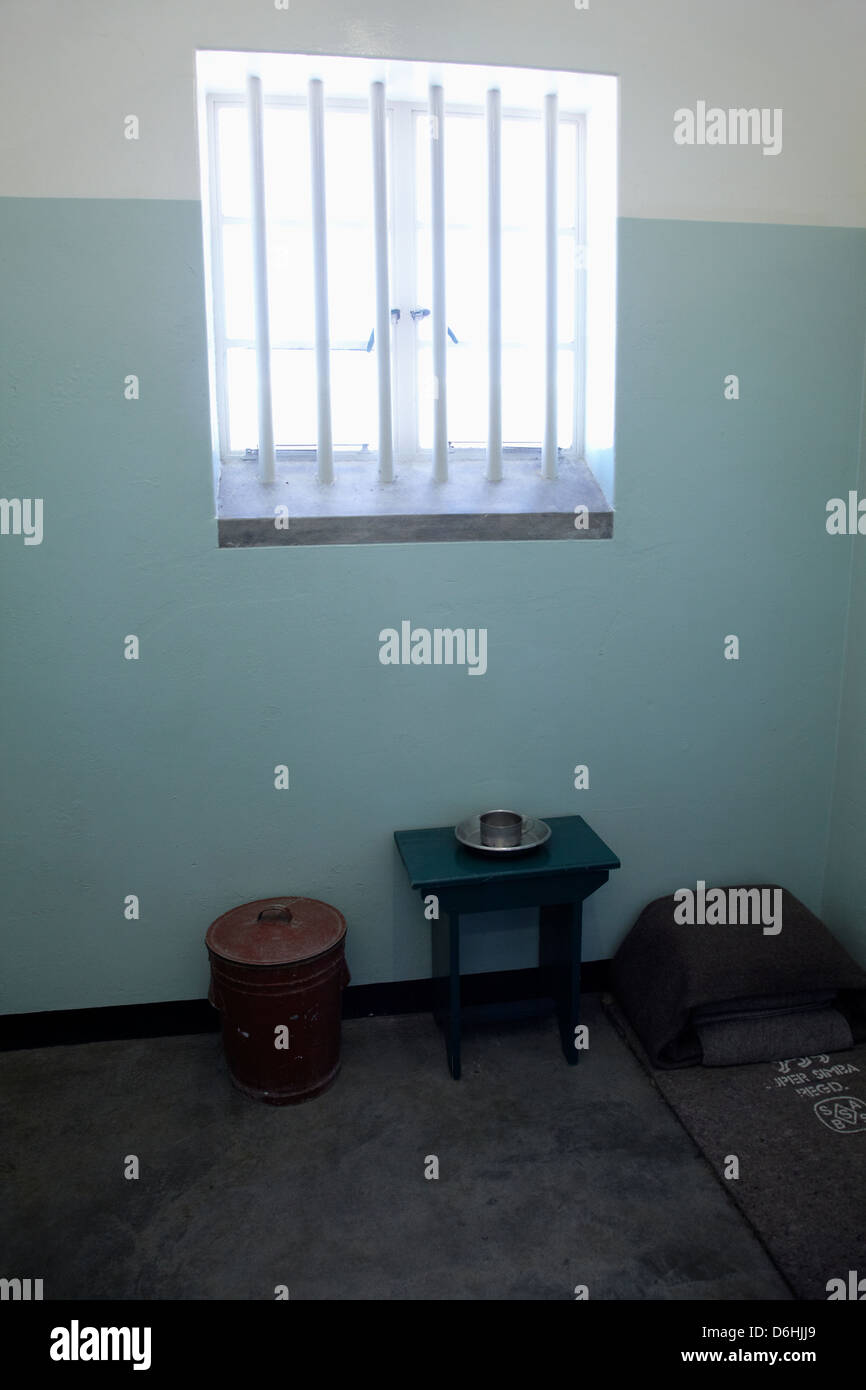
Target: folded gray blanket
{"points": [[736, 990], [766, 1037]]}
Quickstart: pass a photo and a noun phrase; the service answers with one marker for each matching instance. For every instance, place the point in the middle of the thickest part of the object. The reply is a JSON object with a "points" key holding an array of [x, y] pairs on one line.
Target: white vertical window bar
{"points": [[580, 279], [260, 280], [383, 292], [551, 236], [403, 253], [494, 283], [324, 444], [438, 321]]}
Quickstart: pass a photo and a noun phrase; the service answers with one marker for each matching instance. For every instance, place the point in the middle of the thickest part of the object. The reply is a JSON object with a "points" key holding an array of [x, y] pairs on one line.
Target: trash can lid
{"points": [[276, 931]]}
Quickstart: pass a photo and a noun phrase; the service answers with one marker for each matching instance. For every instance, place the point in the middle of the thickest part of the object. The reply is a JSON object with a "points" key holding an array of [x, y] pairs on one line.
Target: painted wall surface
{"points": [[155, 777]]}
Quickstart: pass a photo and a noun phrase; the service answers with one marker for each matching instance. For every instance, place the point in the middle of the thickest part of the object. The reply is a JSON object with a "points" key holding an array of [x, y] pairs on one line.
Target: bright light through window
{"points": [[290, 277], [351, 286], [523, 288]]}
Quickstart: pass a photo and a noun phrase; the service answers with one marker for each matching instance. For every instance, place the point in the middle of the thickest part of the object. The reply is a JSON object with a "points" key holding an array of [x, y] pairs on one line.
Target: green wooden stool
{"points": [[555, 878]]}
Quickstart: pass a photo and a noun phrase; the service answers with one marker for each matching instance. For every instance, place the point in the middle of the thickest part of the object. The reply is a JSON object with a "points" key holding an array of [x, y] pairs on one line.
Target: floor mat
{"points": [[798, 1131]]}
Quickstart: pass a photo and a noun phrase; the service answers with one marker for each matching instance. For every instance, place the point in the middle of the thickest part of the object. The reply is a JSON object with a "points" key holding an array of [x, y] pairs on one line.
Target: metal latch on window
{"points": [[415, 314], [395, 318]]}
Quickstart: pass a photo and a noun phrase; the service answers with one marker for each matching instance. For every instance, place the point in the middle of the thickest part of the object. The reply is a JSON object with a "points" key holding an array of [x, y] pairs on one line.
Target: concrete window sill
{"points": [[357, 509]]}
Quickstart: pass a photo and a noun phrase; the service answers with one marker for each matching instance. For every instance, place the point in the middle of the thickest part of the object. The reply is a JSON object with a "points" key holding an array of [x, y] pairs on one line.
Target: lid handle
{"points": [[276, 910]]}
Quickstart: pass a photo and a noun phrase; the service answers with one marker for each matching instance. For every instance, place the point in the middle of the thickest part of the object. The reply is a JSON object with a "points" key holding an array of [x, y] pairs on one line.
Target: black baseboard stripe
{"points": [[64, 1027]]}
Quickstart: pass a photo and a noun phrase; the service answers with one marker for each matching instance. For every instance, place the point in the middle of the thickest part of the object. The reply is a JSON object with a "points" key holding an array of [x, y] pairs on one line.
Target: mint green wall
{"points": [[155, 777]]}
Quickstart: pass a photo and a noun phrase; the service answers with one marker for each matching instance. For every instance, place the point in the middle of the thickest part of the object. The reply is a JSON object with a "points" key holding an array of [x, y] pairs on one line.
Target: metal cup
{"points": [[500, 829]]}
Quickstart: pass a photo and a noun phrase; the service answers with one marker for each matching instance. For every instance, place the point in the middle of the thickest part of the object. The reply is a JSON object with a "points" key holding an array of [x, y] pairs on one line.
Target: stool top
{"points": [[435, 857], [276, 931]]}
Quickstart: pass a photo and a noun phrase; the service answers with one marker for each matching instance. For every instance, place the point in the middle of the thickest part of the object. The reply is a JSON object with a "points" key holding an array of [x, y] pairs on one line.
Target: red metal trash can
{"points": [[278, 971]]}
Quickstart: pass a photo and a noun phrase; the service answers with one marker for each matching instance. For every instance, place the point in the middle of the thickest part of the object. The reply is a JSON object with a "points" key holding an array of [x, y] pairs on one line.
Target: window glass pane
{"points": [[566, 187], [522, 172], [234, 155], [290, 284], [565, 399], [467, 395], [422, 168], [466, 171], [565, 288], [238, 280], [351, 258], [425, 398], [348, 166], [293, 384], [287, 164], [354, 399], [351, 284], [522, 396], [241, 395], [466, 284], [523, 287], [523, 280]]}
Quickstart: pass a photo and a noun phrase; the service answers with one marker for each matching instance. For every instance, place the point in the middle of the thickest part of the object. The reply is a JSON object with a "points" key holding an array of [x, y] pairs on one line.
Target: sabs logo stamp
{"points": [[739, 125], [444, 646], [76, 1343]]}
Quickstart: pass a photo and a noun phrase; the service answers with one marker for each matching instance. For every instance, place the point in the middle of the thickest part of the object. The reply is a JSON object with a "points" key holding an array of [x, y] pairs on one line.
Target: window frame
{"points": [[401, 118]]}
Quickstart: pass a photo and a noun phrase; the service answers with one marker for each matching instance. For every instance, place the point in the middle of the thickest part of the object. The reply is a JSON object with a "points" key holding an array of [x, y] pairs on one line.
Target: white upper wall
{"points": [[70, 73]]}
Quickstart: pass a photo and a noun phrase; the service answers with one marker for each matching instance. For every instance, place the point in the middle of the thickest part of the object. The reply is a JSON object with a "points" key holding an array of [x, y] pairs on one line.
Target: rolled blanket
{"points": [[722, 993], [767, 1037]]}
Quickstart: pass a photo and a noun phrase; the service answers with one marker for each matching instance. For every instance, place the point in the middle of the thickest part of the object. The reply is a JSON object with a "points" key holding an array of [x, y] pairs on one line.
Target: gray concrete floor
{"points": [[550, 1176]]}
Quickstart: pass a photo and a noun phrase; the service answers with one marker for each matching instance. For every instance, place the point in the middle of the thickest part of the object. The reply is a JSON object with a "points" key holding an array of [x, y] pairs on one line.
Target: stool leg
{"points": [[560, 942], [572, 1054], [453, 1026]]}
